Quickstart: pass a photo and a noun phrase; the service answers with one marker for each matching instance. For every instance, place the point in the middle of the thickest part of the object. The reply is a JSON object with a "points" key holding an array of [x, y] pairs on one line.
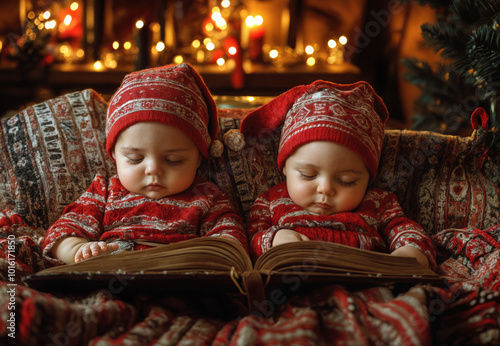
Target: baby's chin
{"points": [[320, 211]]}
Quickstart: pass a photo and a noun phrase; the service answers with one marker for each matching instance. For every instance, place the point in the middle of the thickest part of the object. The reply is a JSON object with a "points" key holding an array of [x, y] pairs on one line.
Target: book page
{"points": [[324, 257], [193, 255]]}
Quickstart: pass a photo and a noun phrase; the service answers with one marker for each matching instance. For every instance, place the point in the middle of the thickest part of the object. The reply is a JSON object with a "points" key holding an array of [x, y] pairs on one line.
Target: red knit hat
{"points": [[171, 95], [352, 115]]}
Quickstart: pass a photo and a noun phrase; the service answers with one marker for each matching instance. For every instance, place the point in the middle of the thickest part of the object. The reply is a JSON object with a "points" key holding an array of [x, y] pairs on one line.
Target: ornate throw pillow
{"points": [[443, 181], [49, 154]]}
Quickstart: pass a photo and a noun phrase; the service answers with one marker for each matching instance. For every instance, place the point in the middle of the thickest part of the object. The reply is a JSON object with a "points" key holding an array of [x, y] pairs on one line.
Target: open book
{"points": [[222, 263]]}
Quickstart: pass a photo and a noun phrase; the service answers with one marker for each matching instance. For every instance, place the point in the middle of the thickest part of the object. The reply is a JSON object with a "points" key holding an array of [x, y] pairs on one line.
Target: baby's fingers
{"points": [[107, 248]]}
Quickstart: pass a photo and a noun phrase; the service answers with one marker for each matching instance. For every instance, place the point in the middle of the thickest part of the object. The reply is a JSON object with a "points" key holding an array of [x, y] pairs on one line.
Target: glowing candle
{"points": [[256, 37]]}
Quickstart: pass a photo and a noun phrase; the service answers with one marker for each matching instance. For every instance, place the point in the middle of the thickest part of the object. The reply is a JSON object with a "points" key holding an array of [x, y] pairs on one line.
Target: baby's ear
{"points": [[284, 169]]}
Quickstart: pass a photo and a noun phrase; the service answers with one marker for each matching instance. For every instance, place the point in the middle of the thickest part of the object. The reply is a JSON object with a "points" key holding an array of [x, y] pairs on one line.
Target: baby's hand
{"points": [[93, 249], [288, 236], [411, 251]]}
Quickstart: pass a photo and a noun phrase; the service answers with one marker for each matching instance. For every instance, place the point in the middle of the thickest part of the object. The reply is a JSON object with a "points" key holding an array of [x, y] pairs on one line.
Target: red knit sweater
{"points": [[107, 211], [377, 224]]}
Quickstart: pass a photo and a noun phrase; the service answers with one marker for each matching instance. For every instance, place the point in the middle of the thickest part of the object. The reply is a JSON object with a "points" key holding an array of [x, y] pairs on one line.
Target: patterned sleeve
{"points": [[82, 218], [261, 230], [222, 220], [398, 230]]}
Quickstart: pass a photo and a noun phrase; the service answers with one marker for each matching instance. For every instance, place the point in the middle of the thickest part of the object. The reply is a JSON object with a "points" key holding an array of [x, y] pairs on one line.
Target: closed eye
{"points": [[306, 176], [174, 162], [134, 161], [347, 183]]}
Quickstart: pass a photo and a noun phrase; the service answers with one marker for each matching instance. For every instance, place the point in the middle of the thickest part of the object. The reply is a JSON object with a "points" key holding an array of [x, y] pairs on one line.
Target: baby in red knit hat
{"points": [[160, 125], [330, 147]]}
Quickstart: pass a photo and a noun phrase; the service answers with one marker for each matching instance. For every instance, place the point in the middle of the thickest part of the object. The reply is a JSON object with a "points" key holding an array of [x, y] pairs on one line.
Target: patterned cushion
{"points": [[443, 181], [50, 152]]}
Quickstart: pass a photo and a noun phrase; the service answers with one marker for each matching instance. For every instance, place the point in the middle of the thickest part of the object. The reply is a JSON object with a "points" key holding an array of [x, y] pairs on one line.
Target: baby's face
{"points": [[155, 160], [326, 178]]}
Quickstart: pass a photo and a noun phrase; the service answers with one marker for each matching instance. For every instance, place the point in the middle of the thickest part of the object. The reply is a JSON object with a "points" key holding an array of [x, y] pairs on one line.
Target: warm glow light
{"points": [[160, 46], [215, 9], [67, 20], [196, 44], [221, 23], [200, 55], [273, 53], [46, 15], [309, 50], [50, 24], [232, 50], [206, 41], [80, 53], [259, 20], [209, 27], [31, 15], [311, 61], [332, 43], [112, 64], [250, 21], [342, 40], [73, 6], [127, 45], [139, 24], [225, 3], [178, 59], [216, 16], [155, 27], [221, 61], [251, 98], [64, 49], [116, 45], [98, 65], [210, 46]]}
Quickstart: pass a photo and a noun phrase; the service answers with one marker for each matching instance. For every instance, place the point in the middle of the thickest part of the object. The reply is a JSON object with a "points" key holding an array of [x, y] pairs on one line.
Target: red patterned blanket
{"points": [[464, 312]]}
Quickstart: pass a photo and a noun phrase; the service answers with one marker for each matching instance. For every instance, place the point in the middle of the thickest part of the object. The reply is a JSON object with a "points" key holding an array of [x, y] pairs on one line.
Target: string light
{"points": [[311, 61], [210, 46], [178, 59], [160, 46], [196, 44], [98, 65]]}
